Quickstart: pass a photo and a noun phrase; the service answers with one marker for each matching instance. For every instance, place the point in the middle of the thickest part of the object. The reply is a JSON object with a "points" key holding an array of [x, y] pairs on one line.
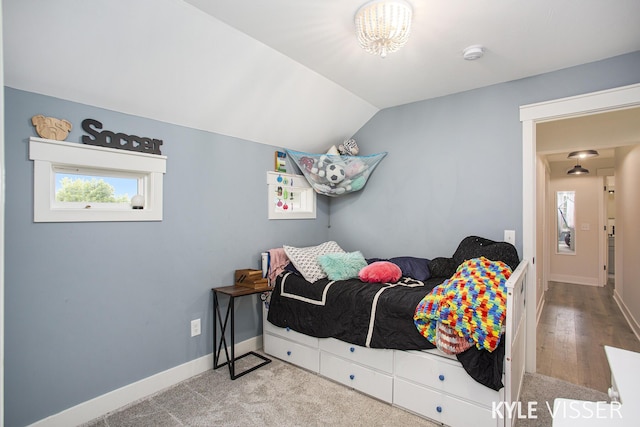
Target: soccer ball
{"points": [[335, 173]]}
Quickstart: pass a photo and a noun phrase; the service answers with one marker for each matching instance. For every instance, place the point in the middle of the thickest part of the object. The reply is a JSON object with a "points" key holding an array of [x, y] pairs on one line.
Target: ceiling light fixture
{"points": [[383, 26], [577, 170], [582, 154], [473, 52]]}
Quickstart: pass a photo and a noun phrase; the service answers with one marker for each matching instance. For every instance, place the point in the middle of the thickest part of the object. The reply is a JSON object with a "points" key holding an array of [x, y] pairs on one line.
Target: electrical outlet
{"points": [[195, 327]]}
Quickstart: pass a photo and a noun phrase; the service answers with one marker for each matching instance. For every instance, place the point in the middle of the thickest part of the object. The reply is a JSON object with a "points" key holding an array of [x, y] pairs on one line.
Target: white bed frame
{"points": [[427, 383]]}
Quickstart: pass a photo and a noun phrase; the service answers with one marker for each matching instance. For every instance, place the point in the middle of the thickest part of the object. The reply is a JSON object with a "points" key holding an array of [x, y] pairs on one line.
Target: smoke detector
{"points": [[472, 53]]}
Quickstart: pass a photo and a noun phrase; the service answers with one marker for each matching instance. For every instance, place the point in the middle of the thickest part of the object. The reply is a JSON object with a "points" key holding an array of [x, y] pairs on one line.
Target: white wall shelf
{"points": [[290, 197]]}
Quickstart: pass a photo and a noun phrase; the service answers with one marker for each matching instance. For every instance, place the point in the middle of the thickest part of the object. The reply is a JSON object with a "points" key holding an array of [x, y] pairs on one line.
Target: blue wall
{"points": [[92, 307], [455, 164]]}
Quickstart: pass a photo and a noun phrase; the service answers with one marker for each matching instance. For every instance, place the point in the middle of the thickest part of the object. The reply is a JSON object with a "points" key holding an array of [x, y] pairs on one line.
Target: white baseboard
{"points": [[576, 280], [119, 398], [539, 309], [633, 324]]}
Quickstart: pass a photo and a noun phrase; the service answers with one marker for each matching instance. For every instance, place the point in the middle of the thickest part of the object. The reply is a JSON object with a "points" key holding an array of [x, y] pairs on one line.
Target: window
{"points": [[566, 214], [290, 197], [95, 189], [78, 182]]}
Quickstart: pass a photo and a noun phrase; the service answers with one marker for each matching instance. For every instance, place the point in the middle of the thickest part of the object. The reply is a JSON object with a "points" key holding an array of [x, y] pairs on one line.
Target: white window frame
{"points": [[297, 184], [49, 155]]}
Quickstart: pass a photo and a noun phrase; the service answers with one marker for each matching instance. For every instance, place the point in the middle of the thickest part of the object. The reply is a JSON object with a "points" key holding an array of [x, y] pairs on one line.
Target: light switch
{"points": [[510, 236]]}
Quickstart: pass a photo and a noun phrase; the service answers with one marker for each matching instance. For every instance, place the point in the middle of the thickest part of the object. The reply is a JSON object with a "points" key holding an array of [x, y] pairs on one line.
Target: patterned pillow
{"points": [[306, 259]]}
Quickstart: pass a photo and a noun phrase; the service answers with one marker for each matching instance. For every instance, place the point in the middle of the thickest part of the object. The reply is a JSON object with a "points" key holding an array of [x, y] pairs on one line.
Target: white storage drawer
{"points": [[445, 375], [366, 380], [301, 355], [376, 358], [268, 327], [441, 407]]}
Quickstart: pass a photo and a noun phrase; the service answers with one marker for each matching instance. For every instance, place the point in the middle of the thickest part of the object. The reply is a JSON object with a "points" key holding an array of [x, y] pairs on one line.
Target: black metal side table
{"points": [[218, 345]]}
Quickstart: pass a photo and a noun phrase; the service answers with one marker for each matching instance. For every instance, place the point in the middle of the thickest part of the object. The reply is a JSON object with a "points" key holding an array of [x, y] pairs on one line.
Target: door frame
{"points": [[531, 114], [602, 228]]}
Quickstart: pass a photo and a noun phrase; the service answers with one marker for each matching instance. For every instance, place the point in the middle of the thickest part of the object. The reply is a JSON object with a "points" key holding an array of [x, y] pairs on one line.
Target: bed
{"points": [[365, 336]]}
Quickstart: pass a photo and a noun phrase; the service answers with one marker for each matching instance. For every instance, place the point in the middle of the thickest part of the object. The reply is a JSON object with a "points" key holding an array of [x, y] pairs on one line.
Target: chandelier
{"points": [[383, 26]]}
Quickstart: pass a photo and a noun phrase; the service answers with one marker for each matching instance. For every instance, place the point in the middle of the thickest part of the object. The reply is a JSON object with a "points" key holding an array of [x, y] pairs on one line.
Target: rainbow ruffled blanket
{"points": [[472, 302]]}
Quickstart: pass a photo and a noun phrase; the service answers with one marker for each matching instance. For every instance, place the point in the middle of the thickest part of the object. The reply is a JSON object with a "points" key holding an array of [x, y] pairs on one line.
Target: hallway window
{"points": [[566, 215]]}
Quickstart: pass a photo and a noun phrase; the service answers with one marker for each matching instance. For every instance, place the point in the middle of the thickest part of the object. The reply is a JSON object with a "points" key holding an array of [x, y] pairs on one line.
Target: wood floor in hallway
{"points": [[576, 323]]}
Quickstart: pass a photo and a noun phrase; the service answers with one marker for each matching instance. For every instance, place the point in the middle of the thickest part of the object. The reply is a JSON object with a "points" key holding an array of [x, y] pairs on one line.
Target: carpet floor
{"points": [[280, 394], [542, 390]]}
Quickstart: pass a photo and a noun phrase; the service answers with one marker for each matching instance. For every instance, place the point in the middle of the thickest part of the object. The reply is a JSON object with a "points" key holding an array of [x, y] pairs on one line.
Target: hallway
{"points": [[576, 323]]}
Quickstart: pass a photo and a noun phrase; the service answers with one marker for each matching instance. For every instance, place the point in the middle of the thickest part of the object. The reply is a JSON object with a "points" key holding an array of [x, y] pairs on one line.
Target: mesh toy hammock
{"points": [[334, 175]]}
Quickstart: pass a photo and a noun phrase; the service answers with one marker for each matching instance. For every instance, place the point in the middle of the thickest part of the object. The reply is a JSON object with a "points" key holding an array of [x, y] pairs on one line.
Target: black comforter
{"points": [[375, 315]]}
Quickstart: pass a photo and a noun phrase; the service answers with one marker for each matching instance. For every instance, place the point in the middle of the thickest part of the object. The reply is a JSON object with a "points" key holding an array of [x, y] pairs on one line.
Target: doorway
{"points": [[530, 115]]}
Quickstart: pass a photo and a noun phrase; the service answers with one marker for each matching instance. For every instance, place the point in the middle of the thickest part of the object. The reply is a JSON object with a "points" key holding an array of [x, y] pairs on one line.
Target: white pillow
{"points": [[305, 260]]}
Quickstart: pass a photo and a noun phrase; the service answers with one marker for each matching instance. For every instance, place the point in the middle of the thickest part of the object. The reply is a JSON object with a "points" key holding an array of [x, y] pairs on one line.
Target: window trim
{"points": [[48, 154]]}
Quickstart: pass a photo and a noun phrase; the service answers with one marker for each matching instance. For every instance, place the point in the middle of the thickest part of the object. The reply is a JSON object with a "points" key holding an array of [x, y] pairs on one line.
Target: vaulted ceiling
{"points": [[288, 72]]}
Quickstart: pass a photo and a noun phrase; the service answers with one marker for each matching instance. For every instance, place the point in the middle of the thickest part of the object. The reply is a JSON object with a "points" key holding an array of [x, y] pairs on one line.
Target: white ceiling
{"points": [[602, 132], [522, 38], [290, 73]]}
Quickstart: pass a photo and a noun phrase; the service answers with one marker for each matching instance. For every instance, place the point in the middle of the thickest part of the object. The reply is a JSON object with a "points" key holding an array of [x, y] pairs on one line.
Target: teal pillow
{"points": [[342, 266]]}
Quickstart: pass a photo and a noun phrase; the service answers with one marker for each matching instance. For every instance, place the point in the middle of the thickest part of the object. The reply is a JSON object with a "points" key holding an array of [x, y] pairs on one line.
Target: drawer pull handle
{"points": [[352, 349], [289, 353], [441, 377], [439, 408], [352, 377]]}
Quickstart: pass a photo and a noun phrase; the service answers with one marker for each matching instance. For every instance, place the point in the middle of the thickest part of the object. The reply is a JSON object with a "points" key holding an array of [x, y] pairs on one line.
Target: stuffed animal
{"points": [[323, 189], [319, 165], [349, 148], [358, 183], [338, 190], [308, 167], [333, 151], [344, 187], [354, 167], [307, 163]]}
